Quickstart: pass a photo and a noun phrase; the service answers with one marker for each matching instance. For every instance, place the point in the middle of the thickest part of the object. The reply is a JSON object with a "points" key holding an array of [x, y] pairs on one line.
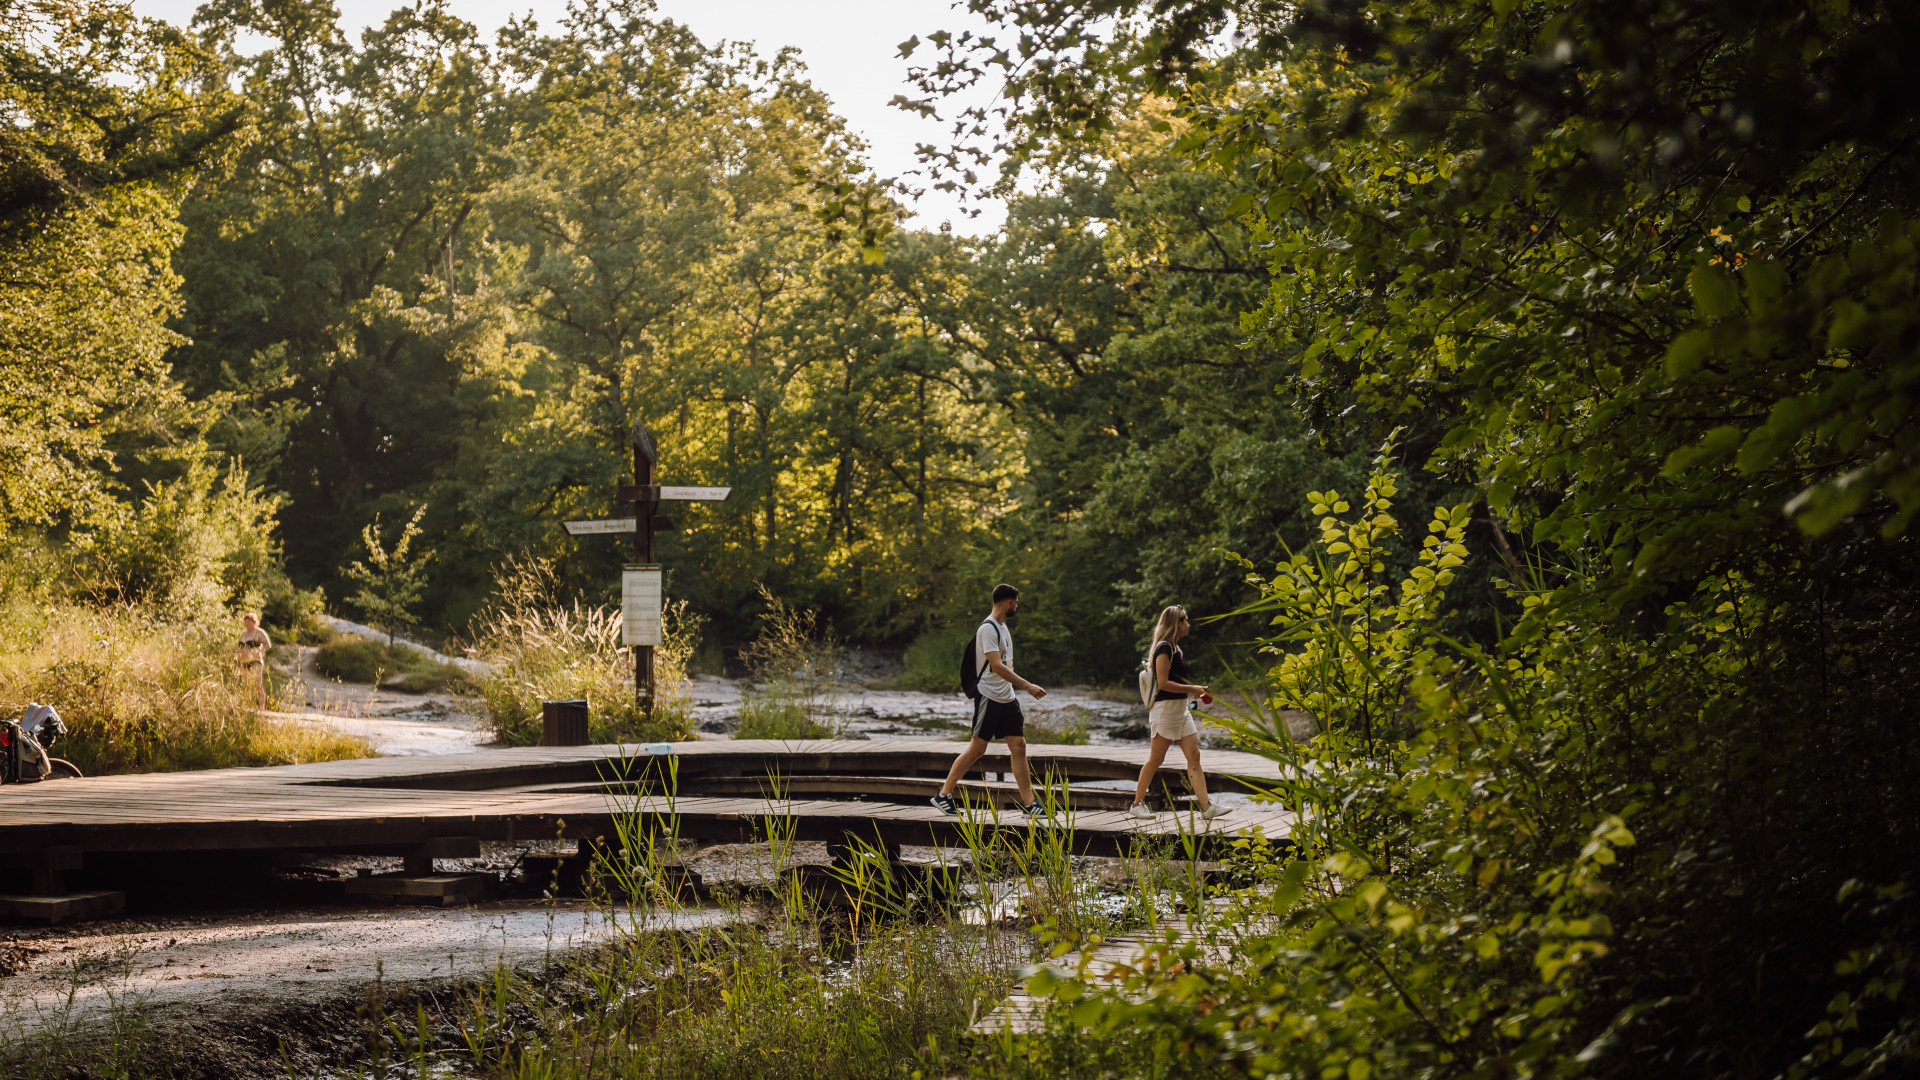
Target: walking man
{"points": [[996, 715]]}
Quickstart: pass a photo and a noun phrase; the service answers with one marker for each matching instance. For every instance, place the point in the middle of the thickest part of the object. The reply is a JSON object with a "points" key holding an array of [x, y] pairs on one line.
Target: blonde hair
{"points": [[254, 615], [1170, 617]]}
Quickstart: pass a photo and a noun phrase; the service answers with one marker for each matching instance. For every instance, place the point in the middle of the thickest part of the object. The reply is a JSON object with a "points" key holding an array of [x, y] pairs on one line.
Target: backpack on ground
{"points": [[972, 665]]}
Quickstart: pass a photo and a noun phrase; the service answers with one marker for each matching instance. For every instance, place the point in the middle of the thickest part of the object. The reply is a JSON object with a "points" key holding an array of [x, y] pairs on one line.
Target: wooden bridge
{"points": [[426, 807]]}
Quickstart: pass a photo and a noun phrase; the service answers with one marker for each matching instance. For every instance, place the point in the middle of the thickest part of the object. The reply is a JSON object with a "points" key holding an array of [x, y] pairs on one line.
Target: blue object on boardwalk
{"points": [[659, 748]]}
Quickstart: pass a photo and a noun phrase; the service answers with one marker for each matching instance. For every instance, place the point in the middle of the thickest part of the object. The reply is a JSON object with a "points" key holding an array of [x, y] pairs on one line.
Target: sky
{"points": [[851, 48]]}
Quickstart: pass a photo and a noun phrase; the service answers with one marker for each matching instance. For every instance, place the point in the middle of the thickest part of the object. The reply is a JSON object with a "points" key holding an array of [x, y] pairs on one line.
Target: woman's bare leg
{"points": [[1155, 755], [1190, 746]]}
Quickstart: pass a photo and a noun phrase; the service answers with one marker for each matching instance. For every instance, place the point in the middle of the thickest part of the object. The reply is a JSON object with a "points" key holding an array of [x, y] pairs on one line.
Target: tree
{"points": [[340, 285], [103, 117], [390, 582], [1641, 276]]}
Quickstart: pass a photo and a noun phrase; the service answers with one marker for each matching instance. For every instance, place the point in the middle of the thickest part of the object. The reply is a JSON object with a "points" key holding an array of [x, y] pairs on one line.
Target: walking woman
{"points": [[1168, 718]]}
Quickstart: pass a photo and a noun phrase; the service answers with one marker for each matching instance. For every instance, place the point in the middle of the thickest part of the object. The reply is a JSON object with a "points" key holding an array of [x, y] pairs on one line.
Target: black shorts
{"points": [[998, 719]]}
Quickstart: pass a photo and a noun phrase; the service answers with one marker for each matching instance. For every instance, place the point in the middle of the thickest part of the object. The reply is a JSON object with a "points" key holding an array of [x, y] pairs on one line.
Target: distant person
{"points": [[1168, 718], [251, 654], [996, 715]]}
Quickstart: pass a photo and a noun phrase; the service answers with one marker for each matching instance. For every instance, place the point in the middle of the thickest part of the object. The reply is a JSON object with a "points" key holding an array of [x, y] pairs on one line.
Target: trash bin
{"points": [[563, 723]]}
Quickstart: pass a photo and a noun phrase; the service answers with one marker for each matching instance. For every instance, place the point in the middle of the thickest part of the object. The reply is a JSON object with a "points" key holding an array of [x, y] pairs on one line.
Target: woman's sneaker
{"points": [[945, 804], [1140, 811], [1214, 810]]}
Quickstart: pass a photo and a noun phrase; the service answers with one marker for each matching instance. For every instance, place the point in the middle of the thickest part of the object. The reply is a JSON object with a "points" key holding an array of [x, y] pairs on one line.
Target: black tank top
{"points": [[1177, 671]]}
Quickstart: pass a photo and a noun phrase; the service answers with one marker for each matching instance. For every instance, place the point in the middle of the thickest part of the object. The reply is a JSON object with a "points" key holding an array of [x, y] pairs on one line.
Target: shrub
{"points": [[191, 546], [351, 658], [292, 614], [932, 662]]}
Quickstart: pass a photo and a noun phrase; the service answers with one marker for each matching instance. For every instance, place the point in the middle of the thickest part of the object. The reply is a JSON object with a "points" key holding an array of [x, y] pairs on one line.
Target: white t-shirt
{"points": [[993, 637]]}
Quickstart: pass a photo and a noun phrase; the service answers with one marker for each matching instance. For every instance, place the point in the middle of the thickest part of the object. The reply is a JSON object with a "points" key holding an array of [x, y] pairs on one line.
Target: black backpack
{"points": [[973, 666]]}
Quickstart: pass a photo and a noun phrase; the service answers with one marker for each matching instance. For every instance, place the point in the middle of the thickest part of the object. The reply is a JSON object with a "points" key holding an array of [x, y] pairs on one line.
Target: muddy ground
{"points": [[232, 990]]}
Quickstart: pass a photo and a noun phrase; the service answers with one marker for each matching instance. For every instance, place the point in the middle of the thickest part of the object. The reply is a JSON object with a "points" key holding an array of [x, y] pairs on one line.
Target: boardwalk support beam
{"points": [[419, 861]]}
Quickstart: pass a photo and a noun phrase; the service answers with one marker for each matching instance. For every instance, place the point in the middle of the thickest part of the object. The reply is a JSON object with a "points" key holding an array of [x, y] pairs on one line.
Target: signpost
{"points": [[640, 584]]}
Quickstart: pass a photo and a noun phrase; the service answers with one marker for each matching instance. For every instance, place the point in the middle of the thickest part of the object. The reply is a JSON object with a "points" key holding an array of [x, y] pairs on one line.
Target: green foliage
{"points": [[192, 547], [293, 615], [105, 117], [355, 659], [1625, 272], [390, 581], [932, 661], [778, 715]]}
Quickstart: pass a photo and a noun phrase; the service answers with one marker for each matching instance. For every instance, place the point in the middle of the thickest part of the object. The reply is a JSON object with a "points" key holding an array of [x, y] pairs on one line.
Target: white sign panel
{"points": [[695, 494], [605, 525], [640, 606]]}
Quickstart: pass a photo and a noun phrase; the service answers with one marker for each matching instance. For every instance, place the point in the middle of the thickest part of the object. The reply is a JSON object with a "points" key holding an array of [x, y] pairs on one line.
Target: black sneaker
{"points": [[945, 804], [1034, 809]]}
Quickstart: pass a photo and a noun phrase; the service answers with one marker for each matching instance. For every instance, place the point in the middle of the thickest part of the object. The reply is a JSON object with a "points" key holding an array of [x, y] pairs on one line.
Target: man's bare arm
{"points": [[1005, 672]]}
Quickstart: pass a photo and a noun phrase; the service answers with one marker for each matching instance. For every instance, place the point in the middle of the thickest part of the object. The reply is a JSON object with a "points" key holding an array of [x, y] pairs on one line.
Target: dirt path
{"points": [[391, 723]]}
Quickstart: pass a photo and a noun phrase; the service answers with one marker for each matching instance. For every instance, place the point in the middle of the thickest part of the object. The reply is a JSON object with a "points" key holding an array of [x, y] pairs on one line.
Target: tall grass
{"points": [[539, 649], [795, 664], [795, 982], [142, 693]]}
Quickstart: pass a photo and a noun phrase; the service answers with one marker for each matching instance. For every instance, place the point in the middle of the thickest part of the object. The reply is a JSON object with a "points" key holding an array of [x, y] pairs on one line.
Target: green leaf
{"points": [[1713, 446], [1688, 353], [1714, 291]]}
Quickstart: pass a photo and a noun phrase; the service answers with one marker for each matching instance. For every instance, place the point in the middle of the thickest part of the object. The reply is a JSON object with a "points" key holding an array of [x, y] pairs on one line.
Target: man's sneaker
{"points": [[1140, 811], [1034, 809], [945, 804], [1214, 810]]}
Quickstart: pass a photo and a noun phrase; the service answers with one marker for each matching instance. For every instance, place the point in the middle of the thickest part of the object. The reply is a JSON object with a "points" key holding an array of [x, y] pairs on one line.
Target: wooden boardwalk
{"points": [[403, 805]]}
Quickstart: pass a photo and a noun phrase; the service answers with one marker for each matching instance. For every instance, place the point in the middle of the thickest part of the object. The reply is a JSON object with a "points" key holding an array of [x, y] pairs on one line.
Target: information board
{"points": [[640, 592]]}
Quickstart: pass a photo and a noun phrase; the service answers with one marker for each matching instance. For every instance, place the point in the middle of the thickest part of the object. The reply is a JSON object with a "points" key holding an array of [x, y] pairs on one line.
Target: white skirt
{"points": [[1172, 720]]}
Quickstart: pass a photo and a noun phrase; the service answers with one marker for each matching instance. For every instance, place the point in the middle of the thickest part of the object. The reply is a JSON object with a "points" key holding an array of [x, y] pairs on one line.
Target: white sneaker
{"points": [[1140, 811], [1214, 810]]}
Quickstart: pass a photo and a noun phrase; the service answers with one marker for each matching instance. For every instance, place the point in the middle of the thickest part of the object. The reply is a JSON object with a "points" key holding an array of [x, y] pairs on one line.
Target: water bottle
{"points": [[658, 748]]}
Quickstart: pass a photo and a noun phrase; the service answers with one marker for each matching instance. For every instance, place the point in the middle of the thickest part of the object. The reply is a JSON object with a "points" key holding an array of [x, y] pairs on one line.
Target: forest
{"points": [[1527, 386], [426, 274]]}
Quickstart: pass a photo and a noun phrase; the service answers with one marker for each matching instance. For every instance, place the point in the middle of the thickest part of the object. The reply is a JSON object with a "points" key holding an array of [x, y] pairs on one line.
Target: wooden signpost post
{"points": [[640, 584]]}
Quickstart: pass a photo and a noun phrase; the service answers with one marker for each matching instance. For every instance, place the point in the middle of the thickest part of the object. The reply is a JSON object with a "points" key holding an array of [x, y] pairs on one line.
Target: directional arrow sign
{"points": [[606, 525], [694, 494]]}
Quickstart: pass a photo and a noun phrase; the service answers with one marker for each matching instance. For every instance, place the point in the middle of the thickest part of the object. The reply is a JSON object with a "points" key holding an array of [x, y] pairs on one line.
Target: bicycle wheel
{"points": [[63, 769]]}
